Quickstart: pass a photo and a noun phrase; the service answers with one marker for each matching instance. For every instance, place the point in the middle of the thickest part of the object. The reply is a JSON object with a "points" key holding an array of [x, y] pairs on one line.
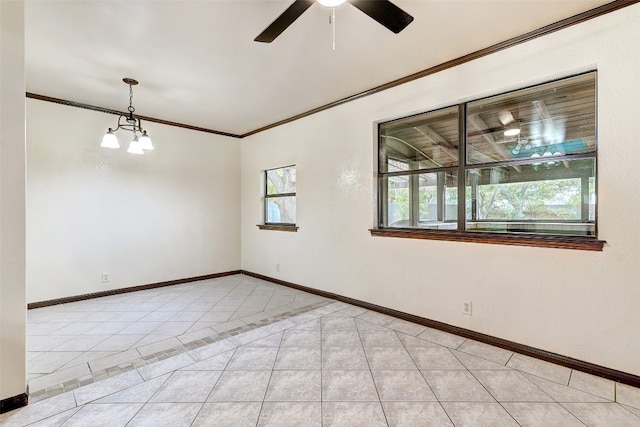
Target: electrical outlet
{"points": [[105, 277], [278, 267], [467, 307]]}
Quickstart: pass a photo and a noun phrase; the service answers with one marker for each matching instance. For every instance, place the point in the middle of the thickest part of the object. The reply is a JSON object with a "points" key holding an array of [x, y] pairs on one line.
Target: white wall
{"points": [[576, 303], [169, 214], [12, 201]]}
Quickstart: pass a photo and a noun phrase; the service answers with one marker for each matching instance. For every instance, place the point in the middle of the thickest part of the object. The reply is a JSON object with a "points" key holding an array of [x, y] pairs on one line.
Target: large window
{"points": [[280, 196], [521, 163]]}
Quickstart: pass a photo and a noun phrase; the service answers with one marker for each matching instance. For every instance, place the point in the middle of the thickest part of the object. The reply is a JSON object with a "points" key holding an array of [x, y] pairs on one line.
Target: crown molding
{"points": [[117, 113], [531, 35]]}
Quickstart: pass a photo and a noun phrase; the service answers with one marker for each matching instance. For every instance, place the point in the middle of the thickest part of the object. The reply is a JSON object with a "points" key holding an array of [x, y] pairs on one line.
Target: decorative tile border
{"points": [[149, 359]]}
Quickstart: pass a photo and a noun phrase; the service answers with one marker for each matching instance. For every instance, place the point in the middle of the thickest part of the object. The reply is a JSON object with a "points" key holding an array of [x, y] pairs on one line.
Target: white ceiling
{"points": [[197, 63]]}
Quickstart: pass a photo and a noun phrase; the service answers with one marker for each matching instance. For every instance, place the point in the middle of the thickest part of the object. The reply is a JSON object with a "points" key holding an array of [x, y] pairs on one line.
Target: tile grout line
{"points": [[67, 384], [214, 385], [142, 361]]}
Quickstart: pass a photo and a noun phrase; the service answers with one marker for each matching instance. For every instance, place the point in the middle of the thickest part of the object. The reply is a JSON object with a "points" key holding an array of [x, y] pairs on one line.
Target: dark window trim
{"points": [[461, 234], [276, 195], [537, 240], [278, 227]]}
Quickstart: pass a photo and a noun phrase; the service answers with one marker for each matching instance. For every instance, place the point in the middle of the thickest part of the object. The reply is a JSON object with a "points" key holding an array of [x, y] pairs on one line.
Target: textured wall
{"points": [[169, 214], [576, 303], [12, 201]]}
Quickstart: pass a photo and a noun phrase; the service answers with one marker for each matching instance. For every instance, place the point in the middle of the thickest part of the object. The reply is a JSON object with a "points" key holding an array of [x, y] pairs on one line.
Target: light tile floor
{"points": [[238, 351]]}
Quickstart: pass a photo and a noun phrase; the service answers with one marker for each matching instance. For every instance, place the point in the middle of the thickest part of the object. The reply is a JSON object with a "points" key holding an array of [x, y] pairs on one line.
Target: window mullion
{"points": [[440, 204], [265, 207], [584, 196], [474, 196], [383, 206], [414, 200], [462, 159], [276, 195]]}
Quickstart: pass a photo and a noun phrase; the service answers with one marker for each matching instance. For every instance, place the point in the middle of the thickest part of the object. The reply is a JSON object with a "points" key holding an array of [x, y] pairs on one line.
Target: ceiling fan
{"points": [[383, 11]]}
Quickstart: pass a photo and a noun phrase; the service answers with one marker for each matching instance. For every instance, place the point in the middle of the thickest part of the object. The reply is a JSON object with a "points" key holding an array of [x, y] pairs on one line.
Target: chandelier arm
{"points": [[133, 125]]}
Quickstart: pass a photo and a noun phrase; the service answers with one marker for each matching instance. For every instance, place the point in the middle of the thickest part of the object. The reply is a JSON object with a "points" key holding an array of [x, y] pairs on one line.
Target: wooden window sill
{"points": [[560, 242], [273, 227]]}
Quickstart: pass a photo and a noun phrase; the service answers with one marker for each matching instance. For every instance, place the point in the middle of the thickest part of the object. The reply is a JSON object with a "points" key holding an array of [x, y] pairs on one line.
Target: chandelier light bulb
{"points": [[145, 141], [110, 140], [134, 147]]}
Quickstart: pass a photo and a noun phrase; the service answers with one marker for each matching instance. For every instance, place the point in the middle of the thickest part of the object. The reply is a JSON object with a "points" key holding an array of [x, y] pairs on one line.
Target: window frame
{"points": [[461, 233], [278, 226]]}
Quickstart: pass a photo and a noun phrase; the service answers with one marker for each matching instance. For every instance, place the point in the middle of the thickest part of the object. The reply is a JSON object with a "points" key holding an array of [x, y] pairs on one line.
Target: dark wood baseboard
{"points": [[15, 402], [558, 359], [569, 362], [83, 297]]}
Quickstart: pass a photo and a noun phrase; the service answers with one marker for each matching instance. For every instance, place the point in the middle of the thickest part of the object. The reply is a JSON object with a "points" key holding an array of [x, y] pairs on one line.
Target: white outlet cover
{"points": [[467, 308]]}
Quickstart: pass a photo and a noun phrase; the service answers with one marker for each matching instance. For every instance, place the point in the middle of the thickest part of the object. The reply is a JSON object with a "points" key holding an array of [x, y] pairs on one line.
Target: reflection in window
{"points": [[545, 121], [280, 196], [426, 141], [527, 163]]}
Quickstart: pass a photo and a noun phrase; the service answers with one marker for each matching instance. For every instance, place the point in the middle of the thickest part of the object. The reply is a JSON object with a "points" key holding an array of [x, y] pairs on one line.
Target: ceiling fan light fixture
{"points": [[505, 117], [512, 131], [331, 3]]}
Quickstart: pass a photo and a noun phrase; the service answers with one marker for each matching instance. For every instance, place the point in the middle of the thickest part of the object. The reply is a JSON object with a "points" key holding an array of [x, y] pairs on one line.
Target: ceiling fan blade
{"points": [[281, 23], [385, 12]]}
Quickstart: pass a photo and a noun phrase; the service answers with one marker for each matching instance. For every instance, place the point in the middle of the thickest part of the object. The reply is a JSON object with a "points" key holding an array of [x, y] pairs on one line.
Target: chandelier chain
{"points": [[131, 109]]}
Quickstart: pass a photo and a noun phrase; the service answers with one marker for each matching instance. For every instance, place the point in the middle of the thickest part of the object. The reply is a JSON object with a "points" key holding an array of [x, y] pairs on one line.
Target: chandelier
{"points": [[129, 122]]}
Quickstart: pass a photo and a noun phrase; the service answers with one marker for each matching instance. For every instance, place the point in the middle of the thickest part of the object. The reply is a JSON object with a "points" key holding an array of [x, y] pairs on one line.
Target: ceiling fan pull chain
{"points": [[333, 26]]}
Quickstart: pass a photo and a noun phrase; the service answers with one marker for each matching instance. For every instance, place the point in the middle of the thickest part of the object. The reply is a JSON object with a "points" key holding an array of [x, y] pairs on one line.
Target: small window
{"points": [[280, 196], [521, 163]]}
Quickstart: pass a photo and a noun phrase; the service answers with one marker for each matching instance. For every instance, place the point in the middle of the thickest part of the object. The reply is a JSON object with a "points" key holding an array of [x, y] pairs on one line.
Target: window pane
{"points": [[426, 141], [397, 166], [548, 120], [438, 200], [422, 200], [551, 197], [398, 201], [428, 197], [281, 210], [281, 180]]}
